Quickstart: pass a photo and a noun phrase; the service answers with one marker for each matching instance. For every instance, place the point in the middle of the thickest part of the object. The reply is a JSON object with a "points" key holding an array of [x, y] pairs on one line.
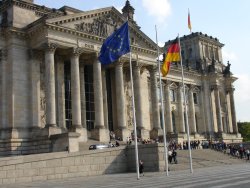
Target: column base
{"points": [[83, 134], [51, 130], [100, 134], [123, 133], [143, 133], [156, 133]]}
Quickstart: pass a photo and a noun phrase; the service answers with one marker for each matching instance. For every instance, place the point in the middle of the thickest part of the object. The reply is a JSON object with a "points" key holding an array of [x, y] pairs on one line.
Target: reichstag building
{"points": [[54, 93]]}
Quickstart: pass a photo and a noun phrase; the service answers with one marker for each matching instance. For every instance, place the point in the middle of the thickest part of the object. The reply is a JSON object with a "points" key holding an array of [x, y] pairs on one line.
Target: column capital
{"points": [[119, 64], [214, 87], [153, 68], [230, 90], [51, 47], [77, 51], [3, 54]]}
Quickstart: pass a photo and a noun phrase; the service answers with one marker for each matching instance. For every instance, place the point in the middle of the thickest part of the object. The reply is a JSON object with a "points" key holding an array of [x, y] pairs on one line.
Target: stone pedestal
{"points": [[143, 133], [100, 134], [51, 131], [73, 143], [156, 133], [83, 134], [123, 133]]}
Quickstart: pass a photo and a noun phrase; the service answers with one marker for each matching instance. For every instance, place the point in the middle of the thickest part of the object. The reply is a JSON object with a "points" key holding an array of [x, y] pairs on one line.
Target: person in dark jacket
{"points": [[141, 167]]}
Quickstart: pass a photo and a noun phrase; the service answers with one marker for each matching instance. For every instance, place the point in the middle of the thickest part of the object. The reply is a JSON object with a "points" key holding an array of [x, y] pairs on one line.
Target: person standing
{"points": [[141, 167]]}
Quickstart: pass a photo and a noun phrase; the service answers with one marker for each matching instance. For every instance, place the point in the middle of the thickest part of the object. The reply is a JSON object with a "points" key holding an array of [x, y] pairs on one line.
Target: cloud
{"points": [[161, 44], [160, 9], [242, 97], [229, 56]]}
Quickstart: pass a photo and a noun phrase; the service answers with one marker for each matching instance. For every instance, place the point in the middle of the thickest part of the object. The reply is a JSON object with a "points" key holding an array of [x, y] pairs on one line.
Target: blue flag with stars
{"points": [[115, 45]]}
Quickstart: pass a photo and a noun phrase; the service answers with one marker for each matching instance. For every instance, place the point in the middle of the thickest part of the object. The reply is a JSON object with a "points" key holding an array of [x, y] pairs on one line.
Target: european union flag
{"points": [[115, 45]]}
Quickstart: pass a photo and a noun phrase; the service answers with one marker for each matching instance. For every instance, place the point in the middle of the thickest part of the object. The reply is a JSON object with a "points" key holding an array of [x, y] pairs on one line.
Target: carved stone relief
{"points": [[128, 99], [102, 26], [42, 95]]}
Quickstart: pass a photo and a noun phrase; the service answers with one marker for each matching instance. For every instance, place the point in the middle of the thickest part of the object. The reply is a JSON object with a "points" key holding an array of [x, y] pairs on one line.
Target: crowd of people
{"points": [[236, 150]]}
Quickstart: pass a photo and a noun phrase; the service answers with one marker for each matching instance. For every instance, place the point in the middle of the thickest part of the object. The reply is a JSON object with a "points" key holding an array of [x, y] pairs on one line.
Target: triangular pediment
{"points": [[102, 23]]}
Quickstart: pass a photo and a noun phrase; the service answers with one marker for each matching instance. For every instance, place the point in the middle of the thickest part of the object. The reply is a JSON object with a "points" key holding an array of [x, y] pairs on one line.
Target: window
{"points": [[109, 100], [173, 122], [190, 53], [195, 98], [67, 82], [89, 95], [172, 95]]}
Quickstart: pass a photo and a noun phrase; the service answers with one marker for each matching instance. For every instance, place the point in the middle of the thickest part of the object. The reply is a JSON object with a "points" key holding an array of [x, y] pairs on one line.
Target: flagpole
{"points": [[185, 106], [162, 109], [134, 117]]}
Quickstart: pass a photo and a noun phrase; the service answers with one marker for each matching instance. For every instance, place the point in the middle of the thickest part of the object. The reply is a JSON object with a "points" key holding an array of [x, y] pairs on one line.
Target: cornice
{"points": [[14, 31], [39, 10], [98, 39]]}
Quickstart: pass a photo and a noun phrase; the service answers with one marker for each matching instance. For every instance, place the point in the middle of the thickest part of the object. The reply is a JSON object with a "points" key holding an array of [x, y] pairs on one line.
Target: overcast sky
{"points": [[227, 20]]}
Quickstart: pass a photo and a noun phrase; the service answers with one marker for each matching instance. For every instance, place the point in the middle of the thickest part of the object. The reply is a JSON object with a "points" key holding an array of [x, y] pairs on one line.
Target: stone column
{"points": [[168, 119], [181, 110], [3, 93], [233, 113], [76, 95], [75, 89], [157, 130], [142, 132], [100, 132], [218, 108], [192, 112], [83, 98], [50, 85], [60, 93], [36, 57], [229, 112], [120, 102], [207, 107]]}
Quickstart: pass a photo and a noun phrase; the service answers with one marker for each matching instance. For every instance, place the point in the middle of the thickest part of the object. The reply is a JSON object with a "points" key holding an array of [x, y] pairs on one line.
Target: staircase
{"points": [[203, 158]]}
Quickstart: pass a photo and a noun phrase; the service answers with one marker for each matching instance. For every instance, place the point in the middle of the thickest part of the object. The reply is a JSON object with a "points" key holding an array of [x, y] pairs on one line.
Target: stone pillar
{"points": [[120, 102], [105, 100], [76, 95], [180, 109], [157, 130], [60, 93], [218, 108], [142, 132], [192, 112], [83, 98], [50, 85], [3, 92], [207, 108], [233, 113], [168, 119], [36, 57], [75, 89], [100, 132], [228, 111]]}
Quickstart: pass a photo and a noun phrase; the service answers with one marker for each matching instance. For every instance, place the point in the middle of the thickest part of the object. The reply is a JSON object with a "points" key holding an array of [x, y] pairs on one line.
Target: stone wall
{"points": [[61, 165]]}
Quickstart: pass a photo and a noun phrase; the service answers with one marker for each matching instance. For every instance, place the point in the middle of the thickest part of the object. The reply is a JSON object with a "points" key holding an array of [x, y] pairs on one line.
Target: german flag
{"points": [[173, 55], [189, 22]]}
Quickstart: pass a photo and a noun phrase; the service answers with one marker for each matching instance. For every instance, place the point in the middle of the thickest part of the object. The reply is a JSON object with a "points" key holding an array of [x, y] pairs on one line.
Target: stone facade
{"points": [[51, 82]]}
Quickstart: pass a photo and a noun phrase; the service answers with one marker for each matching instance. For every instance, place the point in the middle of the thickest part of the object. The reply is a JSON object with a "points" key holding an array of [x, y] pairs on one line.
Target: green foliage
{"points": [[244, 129]]}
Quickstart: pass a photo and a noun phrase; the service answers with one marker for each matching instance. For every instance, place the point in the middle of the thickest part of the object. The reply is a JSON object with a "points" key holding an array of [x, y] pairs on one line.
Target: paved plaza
{"points": [[237, 175]]}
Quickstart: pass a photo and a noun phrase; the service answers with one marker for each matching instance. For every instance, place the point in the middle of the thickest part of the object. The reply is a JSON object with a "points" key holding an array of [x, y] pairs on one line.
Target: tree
{"points": [[244, 129]]}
